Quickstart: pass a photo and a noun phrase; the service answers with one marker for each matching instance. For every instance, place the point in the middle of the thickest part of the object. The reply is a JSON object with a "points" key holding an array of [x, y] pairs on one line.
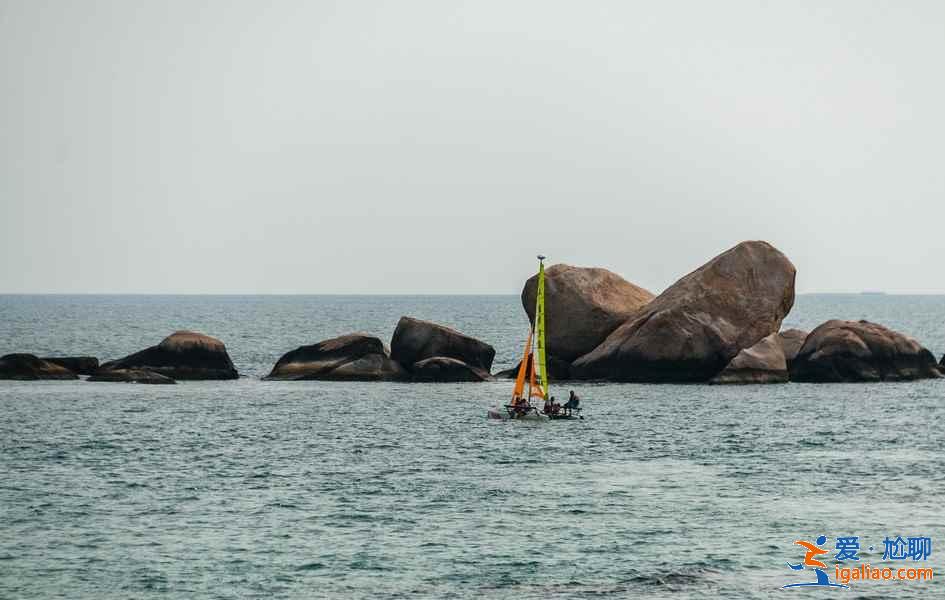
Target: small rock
{"points": [[791, 342], [443, 369], [558, 370], [29, 367], [80, 365], [762, 363], [130, 376], [182, 355], [352, 357], [415, 340], [861, 351]]}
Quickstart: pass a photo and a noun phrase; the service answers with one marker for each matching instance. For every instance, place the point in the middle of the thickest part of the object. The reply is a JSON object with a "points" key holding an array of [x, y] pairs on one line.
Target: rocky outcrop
{"points": [[352, 357], [445, 369], [558, 370], [415, 340], [182, 355], [791, 342], [80, 365], [861, 351], [130, 376], [584, 305], [762, 363], [690, 332], [28, 367]]}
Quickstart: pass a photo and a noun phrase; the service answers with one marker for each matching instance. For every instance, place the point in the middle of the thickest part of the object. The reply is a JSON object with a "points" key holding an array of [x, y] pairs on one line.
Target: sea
{"points": [[256, 489]]}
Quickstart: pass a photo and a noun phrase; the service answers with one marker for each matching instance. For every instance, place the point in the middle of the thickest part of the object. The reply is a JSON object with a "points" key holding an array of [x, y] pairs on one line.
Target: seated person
{"points": [[520, 406], [572, 403]]}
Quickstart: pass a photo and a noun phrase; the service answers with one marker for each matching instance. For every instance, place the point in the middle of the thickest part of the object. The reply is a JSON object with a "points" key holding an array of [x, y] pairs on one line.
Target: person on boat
{"points": [[519, 406], [549, 403], [572, 403]]}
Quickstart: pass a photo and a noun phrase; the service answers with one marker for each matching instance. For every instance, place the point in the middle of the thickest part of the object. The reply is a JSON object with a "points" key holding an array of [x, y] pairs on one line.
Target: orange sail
{"points": [[519, 390]]}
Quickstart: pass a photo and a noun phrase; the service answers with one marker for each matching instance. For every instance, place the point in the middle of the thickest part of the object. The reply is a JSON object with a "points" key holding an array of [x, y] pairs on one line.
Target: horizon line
{"points": [[414, 294]]}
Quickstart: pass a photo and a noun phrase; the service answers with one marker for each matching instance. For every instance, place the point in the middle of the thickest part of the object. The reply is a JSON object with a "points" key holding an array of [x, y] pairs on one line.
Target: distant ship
{"points": [[872, 293]]}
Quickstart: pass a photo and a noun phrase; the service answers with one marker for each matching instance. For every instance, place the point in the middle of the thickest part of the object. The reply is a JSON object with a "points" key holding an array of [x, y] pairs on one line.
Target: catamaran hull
{"points": [[501, 414]]}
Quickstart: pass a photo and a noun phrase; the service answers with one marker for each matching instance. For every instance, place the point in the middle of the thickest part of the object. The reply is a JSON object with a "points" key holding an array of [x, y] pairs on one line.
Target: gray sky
{"points": [[436, 147]]}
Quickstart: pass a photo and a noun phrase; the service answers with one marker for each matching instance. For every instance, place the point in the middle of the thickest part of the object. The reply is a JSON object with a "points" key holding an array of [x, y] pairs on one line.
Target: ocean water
{"points": [[247, 489]]}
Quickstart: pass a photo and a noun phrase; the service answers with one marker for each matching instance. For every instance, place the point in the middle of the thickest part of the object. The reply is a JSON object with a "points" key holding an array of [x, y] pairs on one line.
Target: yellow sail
{"points": [[540, 329], [532, 370]]}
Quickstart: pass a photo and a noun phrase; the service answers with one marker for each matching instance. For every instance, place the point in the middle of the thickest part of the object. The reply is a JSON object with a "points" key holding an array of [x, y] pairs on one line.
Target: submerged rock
{"points": [[29, 367], [508, 373], [130, 376], [352, 357], [762, 363], [558, 370], [80, 365], [791, 342], [445, 369], [582, 307], [415, 340], [691, 331], [182, 355], [861, 351]]}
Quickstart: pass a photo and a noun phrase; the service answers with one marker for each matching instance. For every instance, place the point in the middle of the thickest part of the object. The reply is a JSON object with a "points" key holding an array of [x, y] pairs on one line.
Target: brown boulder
{"points": [[762, 363], [791, 342], [693, 330], [582, 307], [415, 340], [80, 365], [130, 376], [182, 355], [352, 357], [29, 367], [861, 351], [443, 369]]}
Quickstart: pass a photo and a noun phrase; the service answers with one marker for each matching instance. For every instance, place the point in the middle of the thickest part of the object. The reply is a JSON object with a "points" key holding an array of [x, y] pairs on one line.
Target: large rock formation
{"points": [[80, 365], [791, 342], [762, 363], [182, 355], [415, 340], [30, 367], [861, 351], [352, 357], [131, 376], [445, 369], [582, 307], [698, 325]]}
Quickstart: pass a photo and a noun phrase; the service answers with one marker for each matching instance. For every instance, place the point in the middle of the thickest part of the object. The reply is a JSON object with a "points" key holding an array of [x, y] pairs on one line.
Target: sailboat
{"points": [[531, 380]]}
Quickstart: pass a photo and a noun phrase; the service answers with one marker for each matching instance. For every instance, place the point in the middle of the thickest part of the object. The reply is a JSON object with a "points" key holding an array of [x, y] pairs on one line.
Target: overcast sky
{"points": [[436, 147]]}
